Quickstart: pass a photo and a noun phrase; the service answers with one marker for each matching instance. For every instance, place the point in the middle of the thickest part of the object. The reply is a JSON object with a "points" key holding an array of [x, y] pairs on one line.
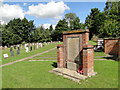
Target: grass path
{"points": [[26, 58]]}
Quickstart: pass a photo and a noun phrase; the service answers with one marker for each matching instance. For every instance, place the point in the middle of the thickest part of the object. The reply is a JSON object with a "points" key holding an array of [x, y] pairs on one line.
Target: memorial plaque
{"points": [[73, 45]]}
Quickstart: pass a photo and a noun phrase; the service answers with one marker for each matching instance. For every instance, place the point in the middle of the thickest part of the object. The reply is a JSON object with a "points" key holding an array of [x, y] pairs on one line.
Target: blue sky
{"points": [[82, 9]]}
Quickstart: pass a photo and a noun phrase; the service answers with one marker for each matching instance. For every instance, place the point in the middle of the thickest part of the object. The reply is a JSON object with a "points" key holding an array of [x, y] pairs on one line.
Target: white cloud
{"points": [[1, 0], [49, 10], [9, 12], [47, 25], [24, 4]]}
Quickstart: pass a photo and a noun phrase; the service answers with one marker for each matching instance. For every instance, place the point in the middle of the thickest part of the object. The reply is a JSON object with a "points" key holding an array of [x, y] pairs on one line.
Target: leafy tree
{"points": [[93, 22], [51, 28], [111, 25], [60, 27], [69, 17], [76, 23], [110, 28], [22, 29]]}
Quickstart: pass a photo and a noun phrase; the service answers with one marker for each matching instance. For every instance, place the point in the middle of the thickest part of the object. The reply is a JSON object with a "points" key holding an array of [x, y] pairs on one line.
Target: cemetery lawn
{"points": [[23, 54], [35, 74], [92, 42]]}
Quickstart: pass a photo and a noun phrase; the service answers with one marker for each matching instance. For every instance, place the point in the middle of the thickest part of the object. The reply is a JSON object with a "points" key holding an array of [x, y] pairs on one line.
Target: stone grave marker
{"points": [[18, 50], [11, 51], [5, 55]]}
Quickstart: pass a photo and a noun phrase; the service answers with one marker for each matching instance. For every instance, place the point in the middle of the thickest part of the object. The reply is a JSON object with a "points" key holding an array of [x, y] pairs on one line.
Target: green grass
{"points": [[92, 43], [50, 56], [27, 74], [99, 54], [35, 74], [24, 54]]}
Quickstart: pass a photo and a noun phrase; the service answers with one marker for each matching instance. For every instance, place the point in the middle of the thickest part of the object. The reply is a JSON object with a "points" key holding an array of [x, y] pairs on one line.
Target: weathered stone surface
{"points": [[73, 75], [73, 48], [72, 66]]}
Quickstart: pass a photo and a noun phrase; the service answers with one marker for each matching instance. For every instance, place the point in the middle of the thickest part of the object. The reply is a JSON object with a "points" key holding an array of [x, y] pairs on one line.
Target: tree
{"points": [[111, 25], [27, 28], [60, 27], [21, 30], [51, 28], [69, 17], [76, 23], [110, 28], [92, 21]]}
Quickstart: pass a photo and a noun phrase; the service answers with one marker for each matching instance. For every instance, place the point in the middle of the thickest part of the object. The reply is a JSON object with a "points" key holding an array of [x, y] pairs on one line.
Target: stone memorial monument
{"points": [[75, 58]]}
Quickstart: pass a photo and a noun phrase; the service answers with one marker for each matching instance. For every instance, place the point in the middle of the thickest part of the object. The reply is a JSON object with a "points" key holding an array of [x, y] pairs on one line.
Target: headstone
{"points": [[18, 50], [5, 47], [5, 55], [37, 45], [11, 51], [27, 49], [25, 45], [30, 48], [34, 46], [100, 43]]}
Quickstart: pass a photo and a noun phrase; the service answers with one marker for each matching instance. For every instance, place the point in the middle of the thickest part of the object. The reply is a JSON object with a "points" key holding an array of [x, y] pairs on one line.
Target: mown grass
{"points": [[35, 74], [46, 56], [28, 74], [92, 43], [24, 54]]}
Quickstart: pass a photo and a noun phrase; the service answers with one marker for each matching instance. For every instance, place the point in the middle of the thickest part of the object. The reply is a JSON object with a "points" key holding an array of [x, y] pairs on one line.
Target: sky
{"points": [[46, 13]]}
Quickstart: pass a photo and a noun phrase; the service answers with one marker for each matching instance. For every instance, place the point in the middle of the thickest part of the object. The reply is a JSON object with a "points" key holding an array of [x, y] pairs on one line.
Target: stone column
{"points": [[88, 60], [60, 58]]}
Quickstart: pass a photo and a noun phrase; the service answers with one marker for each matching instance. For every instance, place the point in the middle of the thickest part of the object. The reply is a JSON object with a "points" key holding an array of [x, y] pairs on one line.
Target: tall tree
{"points": [[76, 23], [60, 27], [69, 17], [20, 29], [111, 25], [92, 21], [51, 28]]}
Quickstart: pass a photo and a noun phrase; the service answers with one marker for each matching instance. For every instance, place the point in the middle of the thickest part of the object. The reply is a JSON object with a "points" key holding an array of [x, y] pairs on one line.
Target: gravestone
{"points": [[75, 55], [11, 51], [30, 47], [18, 50], [37, 45], [5, 55], [27, 49]]}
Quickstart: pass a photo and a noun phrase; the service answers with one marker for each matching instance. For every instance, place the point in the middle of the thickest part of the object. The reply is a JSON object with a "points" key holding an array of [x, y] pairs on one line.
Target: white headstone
{"points": [[5, 55], [37, 45], [27, 49]]}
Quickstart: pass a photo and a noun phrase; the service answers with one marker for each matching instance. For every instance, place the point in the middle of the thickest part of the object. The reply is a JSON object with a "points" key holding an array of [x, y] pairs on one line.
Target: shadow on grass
{"points": [[113, 57], [54, 64]]}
